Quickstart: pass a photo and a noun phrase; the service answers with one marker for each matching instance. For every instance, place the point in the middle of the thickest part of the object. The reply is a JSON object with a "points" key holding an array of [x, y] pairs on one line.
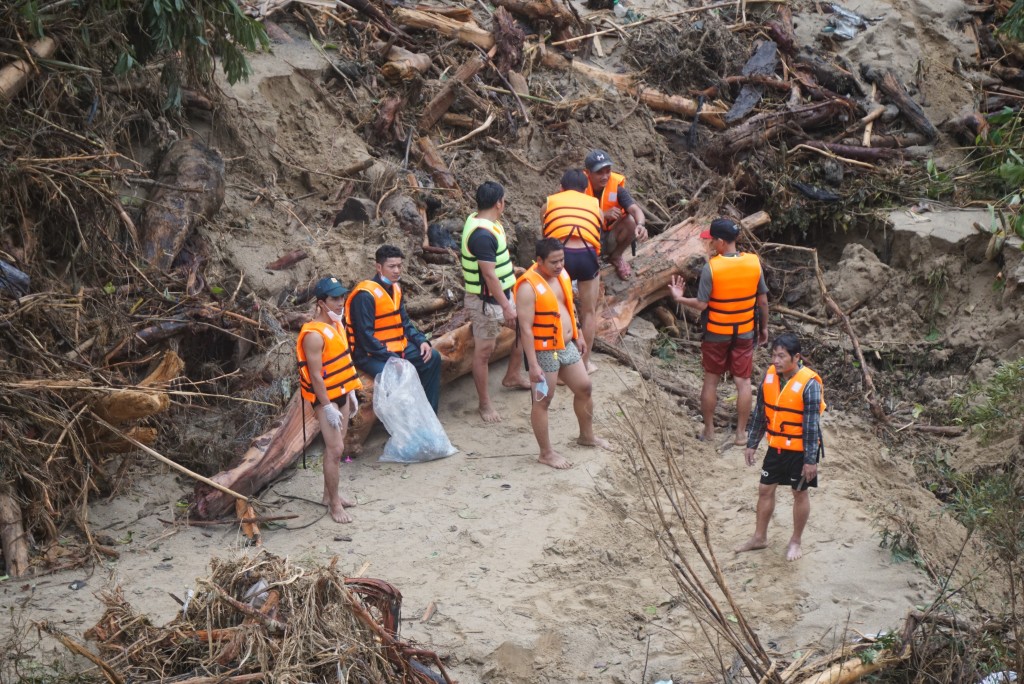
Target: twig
{"points": [[833, 155], [522, 107], [534, 98], [786, 311], [476, 131]]}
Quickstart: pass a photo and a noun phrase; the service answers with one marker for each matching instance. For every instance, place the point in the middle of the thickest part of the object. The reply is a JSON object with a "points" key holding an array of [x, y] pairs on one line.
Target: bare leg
{"points": [[801, 512], [587, 304], [577, 380], [765, 508], [744, 399], [625, 232], [482, 350], [708, 400], [515, 378], [334, 445], [539, 422]]}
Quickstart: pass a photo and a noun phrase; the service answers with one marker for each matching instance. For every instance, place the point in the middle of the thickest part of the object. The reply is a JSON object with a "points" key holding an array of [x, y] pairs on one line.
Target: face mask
{"points": [[385, 280], [333, 316]]}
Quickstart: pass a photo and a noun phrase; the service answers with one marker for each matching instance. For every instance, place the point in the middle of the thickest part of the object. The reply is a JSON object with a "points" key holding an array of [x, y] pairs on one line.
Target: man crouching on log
{"points": [[553, 347], [327, 380]]}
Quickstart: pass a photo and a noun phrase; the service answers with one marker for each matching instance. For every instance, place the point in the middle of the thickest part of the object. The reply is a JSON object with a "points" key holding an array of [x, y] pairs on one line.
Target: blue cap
{"points": [[597, 160], [329, 287]]}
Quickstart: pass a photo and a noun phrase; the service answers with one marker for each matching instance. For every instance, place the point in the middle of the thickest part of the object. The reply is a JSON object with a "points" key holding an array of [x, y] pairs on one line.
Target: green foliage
{"points": [[665, 347], [993, 506], [901, 544], [995, 407], [1013, 24]]}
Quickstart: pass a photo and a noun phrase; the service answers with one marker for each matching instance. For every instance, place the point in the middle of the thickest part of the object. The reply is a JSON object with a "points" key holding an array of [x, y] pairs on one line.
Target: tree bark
{"points": [[189, 189], [436, 165], [677, 250], [12, 536], [561, 19], [403, 65], [446, 96], [890, 85]]}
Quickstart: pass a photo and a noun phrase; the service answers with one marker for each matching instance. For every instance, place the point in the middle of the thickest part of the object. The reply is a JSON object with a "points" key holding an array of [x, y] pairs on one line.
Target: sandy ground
{"points": [[537, 575]]}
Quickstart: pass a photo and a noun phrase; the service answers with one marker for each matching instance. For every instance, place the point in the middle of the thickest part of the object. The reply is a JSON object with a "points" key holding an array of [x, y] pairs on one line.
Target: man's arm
{"points": [[489, 273], [364, 313], [762, 308], [811, 427], [700, 302], [526, 302], [755, 432]]}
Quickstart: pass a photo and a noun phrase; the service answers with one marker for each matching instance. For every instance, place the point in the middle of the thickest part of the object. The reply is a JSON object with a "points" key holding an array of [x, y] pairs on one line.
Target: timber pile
{"points": [[262, 619]]}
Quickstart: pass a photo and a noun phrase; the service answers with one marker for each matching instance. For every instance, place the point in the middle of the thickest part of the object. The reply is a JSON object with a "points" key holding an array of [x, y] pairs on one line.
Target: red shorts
{"points": [[735, 356]]}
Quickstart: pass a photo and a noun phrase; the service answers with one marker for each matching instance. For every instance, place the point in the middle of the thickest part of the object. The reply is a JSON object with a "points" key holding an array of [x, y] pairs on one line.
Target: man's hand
{"points": [[810, 471], [518, 271], [762, 336], [612, 215], [749, 455], [509, 312], [332, 415], [641, 231], [581, 344], [676, 285], [426, 351], [536, 374]]}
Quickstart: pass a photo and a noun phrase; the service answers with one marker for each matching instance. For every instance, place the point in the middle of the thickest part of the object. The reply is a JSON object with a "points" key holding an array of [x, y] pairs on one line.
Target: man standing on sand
{"points": [[489, 276], [789, 407], [379, 328], [624, 220], [733, 297], [574, 218], [552, 344], [327, 380]]}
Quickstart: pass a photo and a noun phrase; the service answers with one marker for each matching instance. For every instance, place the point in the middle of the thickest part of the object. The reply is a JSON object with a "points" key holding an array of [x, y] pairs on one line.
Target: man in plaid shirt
{"points": [[789, 407]]}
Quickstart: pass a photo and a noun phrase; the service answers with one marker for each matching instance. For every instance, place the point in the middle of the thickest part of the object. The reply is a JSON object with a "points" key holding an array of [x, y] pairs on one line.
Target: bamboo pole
{"points": [[15, 75]]}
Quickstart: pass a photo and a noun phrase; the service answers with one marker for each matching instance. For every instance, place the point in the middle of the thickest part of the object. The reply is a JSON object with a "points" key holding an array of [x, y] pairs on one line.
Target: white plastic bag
{"points": [[401, 404]]}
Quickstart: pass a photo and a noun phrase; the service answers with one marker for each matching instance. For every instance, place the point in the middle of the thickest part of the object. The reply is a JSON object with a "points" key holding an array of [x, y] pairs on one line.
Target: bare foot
{"points": [[555, 460], [591, 368], [338, 512], [595, 442], [489, 414], [793, 551], [518, 382], [752, 544], [346, 503]]}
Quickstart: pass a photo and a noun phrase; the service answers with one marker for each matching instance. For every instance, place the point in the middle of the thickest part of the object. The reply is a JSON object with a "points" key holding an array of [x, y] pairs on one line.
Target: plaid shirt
{"points": [[812, 421]]}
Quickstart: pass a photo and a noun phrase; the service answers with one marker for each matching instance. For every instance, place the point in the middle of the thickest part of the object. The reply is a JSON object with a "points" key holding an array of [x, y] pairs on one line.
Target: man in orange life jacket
{"points": [[379, 326], [327, 380], [574, 218], [552, 345], [624, 220], [789, 407], [489, 275], [734, 299]]}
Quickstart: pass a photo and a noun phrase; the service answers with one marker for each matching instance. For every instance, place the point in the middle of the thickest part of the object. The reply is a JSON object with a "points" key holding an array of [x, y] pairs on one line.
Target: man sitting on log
{"points": [[733, 299], [552, 344], [328, 380], [624, 220], [489, 276], [574, 218], [789, 407], [379, 327]]}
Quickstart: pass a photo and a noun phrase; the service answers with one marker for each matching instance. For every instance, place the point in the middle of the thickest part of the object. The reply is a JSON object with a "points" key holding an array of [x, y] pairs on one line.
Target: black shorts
{"points": [[785, 467], [581, 263]]}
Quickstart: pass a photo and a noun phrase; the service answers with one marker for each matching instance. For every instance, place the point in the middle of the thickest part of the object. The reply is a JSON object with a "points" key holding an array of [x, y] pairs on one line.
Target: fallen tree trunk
{"points": [[14, 76], [189, 189], [444, 98], [12, 536], [677, 250], [465, 31]]}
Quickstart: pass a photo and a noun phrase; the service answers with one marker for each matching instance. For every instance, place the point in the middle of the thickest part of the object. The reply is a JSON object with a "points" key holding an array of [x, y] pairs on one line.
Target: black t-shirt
{"points": [[484, 246]]}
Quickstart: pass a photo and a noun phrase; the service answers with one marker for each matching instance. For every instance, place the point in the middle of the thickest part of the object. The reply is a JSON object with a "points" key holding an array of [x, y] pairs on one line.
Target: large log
{"points": [[446, 95], [189, 190], [12, 536], [677, 250], [15, 75], [465, 31], [890, 85]]}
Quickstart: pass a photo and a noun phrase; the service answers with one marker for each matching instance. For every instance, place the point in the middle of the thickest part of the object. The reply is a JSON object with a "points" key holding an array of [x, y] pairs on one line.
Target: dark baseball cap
{"points": [[723, 229], [597, 160], [329, 287]]}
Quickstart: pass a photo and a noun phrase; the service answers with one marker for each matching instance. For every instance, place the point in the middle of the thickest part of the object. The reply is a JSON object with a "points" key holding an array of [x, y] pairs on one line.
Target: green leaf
{"points": [[731, 618], [651, 610], [109, 288]]}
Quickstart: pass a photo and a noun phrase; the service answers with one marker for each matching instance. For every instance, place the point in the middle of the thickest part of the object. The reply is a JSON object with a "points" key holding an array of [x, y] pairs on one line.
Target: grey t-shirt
{"points": [[704, 295]]}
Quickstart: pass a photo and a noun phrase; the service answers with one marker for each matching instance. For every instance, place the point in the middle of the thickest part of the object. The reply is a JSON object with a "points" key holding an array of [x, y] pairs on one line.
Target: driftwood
{"points": [[288, 260], [677, 250], [465, 31], [403, 65], [553, 11], [762, 63], [709, 114], [15, 75], [446, 96], [758, 130], [890, 85], [189, 189], [436, 165], [12, 536]]}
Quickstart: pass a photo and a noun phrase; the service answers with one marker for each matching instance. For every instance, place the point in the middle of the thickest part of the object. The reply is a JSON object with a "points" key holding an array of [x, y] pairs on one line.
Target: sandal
{"points": [[622, 269]]}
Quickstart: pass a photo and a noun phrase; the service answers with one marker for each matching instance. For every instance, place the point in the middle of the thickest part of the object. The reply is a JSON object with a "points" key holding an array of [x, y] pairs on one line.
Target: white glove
{"points": [[333, 415]]}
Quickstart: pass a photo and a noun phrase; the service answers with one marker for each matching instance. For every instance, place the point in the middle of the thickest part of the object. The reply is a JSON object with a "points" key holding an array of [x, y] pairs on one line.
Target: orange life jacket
{"points": [[572, 214], [784, 407], [338, 372], [610, 194], [548, 334], [387, 324], [734, 281]]}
